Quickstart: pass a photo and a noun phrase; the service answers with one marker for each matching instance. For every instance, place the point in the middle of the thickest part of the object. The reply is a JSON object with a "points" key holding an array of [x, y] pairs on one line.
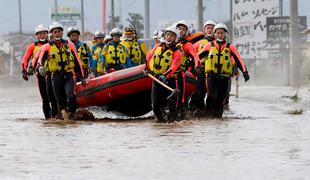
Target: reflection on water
{"points": [[256, 140]]}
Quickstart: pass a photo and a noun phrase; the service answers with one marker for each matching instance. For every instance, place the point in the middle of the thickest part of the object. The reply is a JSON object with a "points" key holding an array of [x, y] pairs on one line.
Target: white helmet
{"points": [[72, 30], [41, 28], [116, 31], [99, 34], [107, 37], [175, 30], [158, 34], [220, 26], [184, 23], [56, 25], [209, 22]]}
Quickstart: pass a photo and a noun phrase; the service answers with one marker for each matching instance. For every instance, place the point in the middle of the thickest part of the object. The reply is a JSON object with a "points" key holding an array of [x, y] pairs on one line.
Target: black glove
{"points": [[163, 79], [246, 76], [145, 72], [30, 70], [25, 75]]}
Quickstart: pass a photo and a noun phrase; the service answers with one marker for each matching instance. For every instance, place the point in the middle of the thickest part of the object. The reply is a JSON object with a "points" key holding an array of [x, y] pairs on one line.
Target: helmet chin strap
{"points": [[168, 43]]}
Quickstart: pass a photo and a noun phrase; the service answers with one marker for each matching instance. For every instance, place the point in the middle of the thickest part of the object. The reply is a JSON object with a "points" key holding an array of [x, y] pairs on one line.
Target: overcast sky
{"points": [[38, 11]]}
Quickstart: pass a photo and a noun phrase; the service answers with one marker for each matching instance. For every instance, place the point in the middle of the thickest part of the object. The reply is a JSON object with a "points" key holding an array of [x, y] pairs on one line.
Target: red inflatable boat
{"points": [[127, 91]]}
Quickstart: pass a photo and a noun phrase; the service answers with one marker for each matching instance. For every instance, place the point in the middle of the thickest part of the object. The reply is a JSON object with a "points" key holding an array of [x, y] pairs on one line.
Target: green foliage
{"points": [[116, 22], [296, 111], [137, 20]]}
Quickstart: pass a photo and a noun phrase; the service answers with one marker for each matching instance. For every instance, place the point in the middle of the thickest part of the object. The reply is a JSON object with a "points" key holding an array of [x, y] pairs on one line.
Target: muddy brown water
{"points": [[257, 139]]}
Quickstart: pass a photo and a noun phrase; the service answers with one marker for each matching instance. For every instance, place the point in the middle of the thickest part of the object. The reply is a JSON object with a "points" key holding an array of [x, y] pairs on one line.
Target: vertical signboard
{"points": [[278, 30], [68, 16], [249, 25]]}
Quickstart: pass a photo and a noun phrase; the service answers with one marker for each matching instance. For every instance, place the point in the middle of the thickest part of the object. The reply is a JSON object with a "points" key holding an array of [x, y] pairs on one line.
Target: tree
{"points": [[116, 21], [137, 20]]}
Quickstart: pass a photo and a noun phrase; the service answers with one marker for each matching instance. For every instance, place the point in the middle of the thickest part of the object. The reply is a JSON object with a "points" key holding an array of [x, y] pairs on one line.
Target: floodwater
{"points": [[257, 139]]}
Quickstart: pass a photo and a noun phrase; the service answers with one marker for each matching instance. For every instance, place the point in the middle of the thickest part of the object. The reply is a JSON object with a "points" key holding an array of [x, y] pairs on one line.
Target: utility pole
{"points": [[281, 7], [219, 8], [82, 19], [112, 14], [120, 11], [104, 9], [146, 19], [56, 10], [20, 16], [294, 45], [11, 60], [200, 14], [284, 54], [231, 20]]}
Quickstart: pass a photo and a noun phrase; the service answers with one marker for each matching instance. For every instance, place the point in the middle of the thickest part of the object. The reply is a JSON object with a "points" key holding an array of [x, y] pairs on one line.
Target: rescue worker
{"points": [[49, 104], [115, 55], [97, 51], [158, 37], [164, 61], [59, 57], [107, 39], [135, 48], [82, 48], [208, 28], [190, 57], [221, 58], [197, 99]]}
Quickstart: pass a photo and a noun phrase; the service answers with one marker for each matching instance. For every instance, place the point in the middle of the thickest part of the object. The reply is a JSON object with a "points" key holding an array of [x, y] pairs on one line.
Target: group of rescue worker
{"points": [[59, 63], [212, 60], [116, 51]]}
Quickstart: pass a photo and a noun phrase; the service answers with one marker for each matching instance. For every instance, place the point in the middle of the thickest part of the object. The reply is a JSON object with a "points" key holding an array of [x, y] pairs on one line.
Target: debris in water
{"points": [[294, 98], [296, 111], [83, 114]]}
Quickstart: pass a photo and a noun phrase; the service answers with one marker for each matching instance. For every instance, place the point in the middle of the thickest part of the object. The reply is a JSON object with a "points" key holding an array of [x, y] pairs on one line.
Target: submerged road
{"points": [[257, 139]]}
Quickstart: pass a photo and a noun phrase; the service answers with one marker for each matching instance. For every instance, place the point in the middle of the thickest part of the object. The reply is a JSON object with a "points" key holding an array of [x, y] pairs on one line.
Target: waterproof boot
{"points": [[58, 116], [196, 102], [71, 115], [199, 113], [226, 102], [182, 112]]}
